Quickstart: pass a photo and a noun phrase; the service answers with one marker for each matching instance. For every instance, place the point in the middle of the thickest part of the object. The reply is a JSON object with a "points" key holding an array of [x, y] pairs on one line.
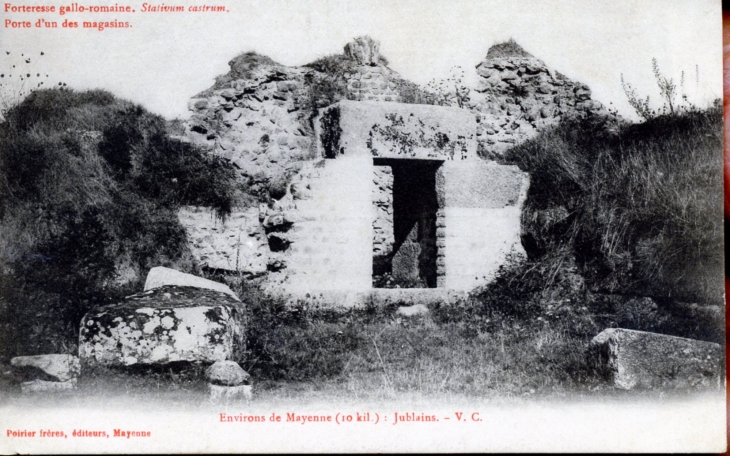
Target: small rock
{"points": [[227, 373], [413, 311], [509, 75], [228, 94]]}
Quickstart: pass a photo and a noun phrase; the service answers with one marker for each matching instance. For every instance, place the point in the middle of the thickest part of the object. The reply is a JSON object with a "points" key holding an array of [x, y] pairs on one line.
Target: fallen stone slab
{"points": [[166, 324], [43, 386], [59, 366], [631, 359], [161, 276], [227, 373]]}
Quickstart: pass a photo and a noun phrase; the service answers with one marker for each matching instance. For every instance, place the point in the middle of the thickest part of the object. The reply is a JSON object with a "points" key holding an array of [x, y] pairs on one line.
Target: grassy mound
{"points": [[89, 187]]}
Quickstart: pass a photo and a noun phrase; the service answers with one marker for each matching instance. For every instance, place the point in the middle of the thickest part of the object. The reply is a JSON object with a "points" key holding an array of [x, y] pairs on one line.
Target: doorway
{"points": [[406, 206]]}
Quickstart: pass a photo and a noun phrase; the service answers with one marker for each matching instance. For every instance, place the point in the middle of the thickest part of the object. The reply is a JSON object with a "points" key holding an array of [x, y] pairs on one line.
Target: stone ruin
{"points": [[397, 198], [373, 194], [376, 193]]}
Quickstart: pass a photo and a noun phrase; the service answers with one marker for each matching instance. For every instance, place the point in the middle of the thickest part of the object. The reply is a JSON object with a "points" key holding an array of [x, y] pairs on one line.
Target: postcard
{"points": [[361, 226]]}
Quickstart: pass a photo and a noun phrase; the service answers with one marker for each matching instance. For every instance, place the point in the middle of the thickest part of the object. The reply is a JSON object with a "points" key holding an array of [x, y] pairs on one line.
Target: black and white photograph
{"points": [[361, 226]]}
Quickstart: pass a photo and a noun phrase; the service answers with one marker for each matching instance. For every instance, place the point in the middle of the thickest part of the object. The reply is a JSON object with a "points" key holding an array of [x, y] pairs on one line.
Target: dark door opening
{"points": [[404, 247]]}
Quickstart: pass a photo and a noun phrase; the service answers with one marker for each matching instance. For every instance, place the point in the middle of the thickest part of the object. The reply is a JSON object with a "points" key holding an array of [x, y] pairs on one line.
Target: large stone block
{"points": [[162, 325], [481, 184], [161, 276], [482, 210], [636, 359], [396, 130]]}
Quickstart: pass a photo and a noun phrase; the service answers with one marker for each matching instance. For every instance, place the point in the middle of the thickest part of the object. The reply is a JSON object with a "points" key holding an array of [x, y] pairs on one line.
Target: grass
{"points": [[523, 337], [375, 356], [472, 349], [364, 356]]}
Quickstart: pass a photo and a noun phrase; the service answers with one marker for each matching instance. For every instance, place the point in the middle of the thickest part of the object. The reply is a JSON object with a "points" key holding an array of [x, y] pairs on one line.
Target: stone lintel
{"points": [[396, 130]]}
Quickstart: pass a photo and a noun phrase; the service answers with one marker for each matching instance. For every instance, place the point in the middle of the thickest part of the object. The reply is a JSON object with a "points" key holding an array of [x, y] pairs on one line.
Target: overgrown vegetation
{"points": [[89, 188], [22, 74], [89, 185], [330, 86], [638, 210]]}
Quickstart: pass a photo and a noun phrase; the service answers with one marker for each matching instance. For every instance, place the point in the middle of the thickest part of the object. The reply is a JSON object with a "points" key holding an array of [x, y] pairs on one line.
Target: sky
{"points": [[166, 58]]}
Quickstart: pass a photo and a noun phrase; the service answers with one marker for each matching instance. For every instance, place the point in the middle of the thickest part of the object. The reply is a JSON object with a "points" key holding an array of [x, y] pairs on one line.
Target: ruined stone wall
{"points": [[331, 237], [326, 209], [517, 96], [236, 244], [258, 122], [372, 83]]}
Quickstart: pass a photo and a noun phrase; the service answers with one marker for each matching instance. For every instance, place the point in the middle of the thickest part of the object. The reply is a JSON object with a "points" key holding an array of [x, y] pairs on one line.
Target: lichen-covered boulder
{"points": [[58, 367], [636, 359], [162, 325]]}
